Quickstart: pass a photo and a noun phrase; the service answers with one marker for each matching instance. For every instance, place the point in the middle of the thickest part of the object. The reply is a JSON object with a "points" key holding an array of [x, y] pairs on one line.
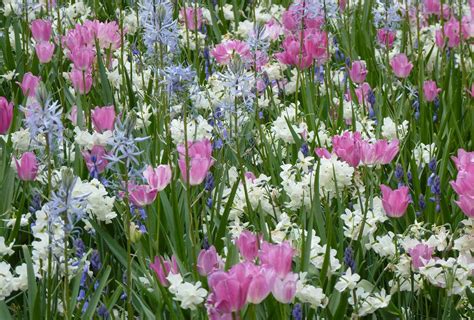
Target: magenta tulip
{"points": [[81, 81], [248, 244], [430, 90], [141, 195], [103, 118], [358, 71], [27, 167], [29, 84], [41, 30], [207, 261], [6, 115], [347, 147], [261, 285]]}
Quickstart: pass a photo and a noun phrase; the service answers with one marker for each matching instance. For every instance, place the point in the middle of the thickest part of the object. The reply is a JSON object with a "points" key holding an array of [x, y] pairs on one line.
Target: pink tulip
{"points": [[82, 58], [163, 268], [316, 45], [29, 84], [261, 285], [191, 17], [430, 90], [395, 202], [322, 153], [229, 289], [284, 289], [439, 39], [293, 54], [432, 7], [200, 161], [103, 118], [108, 34], [226, 51], [467, 27], [27, 167], [401, 66], [362, 92], [380, 152], [95, 159], [141, 195], [466, 204], [347, 147], [248, 244], [6, 115], [158, 178], [277, 257], [41, 30], [463, 160], [452, 32], [81, 81], [207, 261], [44, 51], [386, 37], [420, 254], [358, 72]]}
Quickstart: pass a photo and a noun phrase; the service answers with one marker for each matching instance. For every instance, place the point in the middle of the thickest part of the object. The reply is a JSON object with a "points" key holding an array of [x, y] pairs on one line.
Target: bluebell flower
{"points": [[96, 264], [304, 149], [178, 79], [297, 312], [103, 312], [349, 259]]}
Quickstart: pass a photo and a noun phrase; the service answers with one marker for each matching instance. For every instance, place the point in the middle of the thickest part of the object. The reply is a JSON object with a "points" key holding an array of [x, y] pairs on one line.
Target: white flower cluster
{"points": [[363, 219], [189, 295], [197, 129], [99, 204], [307, 293]]}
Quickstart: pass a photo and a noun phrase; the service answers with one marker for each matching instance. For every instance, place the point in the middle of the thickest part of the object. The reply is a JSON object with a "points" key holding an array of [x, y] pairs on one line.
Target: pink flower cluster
{"points": [[463, 185], [249, 282], [41, 31], [354, 150], [305, 42], [81, 45]]}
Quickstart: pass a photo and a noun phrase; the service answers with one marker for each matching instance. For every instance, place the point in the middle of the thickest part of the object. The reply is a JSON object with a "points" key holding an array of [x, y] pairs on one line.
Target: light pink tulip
{"points": [[395, 202], [284, 289], [463, 159], [316, 45], [159, 177], [41, 30], [261, 285], [44, 51], [141, 195], [358, 71], [200, 161], [401, 66], [379, 152], [103, 118], [420, 254], [322, 153], [452, 32], [6, 115], [27, 167], [225, 51], [430, 90], [277, 257]]}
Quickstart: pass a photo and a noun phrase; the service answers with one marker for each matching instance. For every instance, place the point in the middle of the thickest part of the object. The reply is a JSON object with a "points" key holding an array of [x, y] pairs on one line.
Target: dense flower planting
{"points": [[305, 159]]}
